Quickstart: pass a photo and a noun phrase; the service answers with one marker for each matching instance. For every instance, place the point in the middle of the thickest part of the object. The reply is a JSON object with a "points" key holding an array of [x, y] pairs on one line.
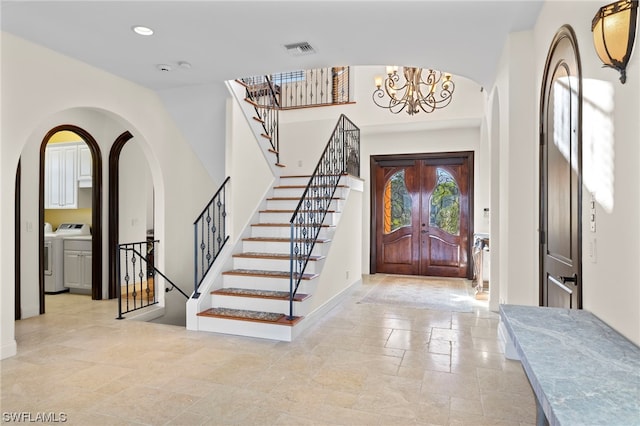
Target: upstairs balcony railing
{"points": [[312, 88]]}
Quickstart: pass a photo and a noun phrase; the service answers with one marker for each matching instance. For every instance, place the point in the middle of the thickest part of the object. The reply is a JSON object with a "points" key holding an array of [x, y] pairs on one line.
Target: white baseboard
{"points": [[9, 349], [506, 343], [323, 310]]}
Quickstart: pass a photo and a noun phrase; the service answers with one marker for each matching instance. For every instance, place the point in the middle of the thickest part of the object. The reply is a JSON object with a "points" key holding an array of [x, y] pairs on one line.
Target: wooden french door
{"points": [[422, 215], [561, 175]]}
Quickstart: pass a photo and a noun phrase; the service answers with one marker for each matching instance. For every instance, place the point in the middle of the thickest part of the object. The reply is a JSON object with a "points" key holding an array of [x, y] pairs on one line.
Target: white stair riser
{"points": [[246, 328], [297, 192], [260, 304], [285, 232], [279, 204], [298, 180], [278, 247], [271, 264], [260, 283], [330, 218], [301, 180]]}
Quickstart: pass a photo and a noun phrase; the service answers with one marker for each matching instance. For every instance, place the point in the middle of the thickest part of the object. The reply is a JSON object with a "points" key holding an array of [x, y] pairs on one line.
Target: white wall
{"points": [[610, 284], [199, 112], [135, 191], [251, 176], [342, 267], [611, 288], [46, 89]]}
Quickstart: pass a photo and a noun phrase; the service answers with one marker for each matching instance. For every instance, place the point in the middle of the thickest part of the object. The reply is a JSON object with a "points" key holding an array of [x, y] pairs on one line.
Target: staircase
{"points": [[254, 298]]}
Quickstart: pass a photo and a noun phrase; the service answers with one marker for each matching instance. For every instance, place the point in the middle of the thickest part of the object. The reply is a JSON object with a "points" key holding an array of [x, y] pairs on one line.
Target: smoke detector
{"points": [[300, 49]]}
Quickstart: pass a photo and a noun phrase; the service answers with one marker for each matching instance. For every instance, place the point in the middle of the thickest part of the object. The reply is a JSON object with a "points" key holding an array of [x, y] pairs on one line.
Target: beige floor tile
{"points": [[362, 364]]}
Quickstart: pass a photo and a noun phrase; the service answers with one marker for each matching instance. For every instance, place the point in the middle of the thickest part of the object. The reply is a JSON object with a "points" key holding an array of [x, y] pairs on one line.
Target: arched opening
{"points": [[114, 203], [131, 214], [95, 204]]}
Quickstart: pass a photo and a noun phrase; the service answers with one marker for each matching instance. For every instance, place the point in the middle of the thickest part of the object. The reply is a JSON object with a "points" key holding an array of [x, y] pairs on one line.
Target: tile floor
{"points": [[371, 361]]}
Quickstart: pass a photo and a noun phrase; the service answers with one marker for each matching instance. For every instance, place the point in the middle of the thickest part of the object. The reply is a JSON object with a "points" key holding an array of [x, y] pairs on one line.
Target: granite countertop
{"points": [[581, 370]]}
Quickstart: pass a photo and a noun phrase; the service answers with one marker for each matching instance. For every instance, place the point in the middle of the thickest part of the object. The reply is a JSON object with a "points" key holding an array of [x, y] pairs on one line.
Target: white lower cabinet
{"points": [[77, 264]]}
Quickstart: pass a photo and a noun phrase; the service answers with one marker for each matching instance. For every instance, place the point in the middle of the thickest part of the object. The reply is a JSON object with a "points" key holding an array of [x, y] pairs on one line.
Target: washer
{"points": [[54, 254], [53, 262]]}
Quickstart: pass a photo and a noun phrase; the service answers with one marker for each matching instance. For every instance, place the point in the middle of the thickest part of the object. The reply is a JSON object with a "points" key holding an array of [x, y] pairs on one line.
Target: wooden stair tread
{"points": [[308, 176], [252, 316], [304, 186], [291, 211], [259, 294], [239, 81], [298, 198], [252, 102], [266, 274], [281, 240], [278, 256], [287, 224]]}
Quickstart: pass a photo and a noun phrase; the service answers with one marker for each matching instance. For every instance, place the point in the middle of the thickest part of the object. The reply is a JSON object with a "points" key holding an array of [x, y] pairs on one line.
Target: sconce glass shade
{"points": [[614, 29]]}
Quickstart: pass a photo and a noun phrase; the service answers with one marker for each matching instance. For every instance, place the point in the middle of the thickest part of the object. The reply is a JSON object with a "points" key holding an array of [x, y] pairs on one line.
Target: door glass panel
{"points": [[397, 203], [444, 203]]}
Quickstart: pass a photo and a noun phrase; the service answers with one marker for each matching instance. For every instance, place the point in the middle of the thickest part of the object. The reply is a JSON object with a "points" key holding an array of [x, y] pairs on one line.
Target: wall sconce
{"points": [[614, 30]]}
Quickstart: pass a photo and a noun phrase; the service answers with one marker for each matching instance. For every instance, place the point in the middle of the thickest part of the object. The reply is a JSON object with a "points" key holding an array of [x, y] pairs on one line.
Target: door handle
{"points": [[424, 231], [572, 279]]}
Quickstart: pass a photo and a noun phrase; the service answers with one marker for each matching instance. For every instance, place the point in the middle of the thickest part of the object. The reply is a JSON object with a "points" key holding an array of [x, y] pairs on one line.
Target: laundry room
{"points": [[67, 214]]}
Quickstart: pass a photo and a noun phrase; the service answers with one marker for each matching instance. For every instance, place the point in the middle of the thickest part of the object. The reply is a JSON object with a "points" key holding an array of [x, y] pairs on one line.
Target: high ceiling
{"points": [[223, 40]]}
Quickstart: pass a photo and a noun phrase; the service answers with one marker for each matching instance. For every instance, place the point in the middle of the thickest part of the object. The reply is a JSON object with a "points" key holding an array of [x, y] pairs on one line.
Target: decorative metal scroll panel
{"points": [[340, 156], [210, 234], [138, 275], [261, 92]]}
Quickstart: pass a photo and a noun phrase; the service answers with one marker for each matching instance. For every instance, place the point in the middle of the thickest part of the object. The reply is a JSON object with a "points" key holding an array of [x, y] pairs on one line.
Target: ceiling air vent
{"points": [[299, 49]]}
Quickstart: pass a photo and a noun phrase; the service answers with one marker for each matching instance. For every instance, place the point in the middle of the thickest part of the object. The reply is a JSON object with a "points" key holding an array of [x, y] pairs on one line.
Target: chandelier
{"points": [[428, 94]]}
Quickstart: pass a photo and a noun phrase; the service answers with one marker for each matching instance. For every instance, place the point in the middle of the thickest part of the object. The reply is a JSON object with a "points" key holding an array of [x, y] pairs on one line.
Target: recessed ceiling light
{"points": [[142, 30]]}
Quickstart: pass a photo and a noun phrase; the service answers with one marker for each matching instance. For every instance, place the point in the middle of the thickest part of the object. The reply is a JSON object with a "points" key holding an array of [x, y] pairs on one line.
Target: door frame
{"points": [[394, 159], [17, 244], [96, 210], [564, 32], [114, 209]]}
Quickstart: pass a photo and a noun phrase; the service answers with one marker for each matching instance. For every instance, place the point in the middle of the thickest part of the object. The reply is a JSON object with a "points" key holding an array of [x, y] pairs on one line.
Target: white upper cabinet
{"points": [[61, 186], [85, 166]]}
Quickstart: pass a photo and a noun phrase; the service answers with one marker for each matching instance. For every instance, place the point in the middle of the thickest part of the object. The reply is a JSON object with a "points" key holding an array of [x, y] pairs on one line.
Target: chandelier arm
{"points": [[437, 85], [391, 106]]}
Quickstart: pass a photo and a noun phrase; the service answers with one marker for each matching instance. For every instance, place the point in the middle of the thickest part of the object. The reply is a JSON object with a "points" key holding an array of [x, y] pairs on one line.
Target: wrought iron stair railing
{"points": [[137, 278], [210, 234], [341, 156], [261, 93], [292, 90]]}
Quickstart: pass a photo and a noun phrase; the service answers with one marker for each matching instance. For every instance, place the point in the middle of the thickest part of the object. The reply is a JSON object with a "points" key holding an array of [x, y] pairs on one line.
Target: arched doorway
{"points": [[114, 203], [560, 202], [96, 210], [131, 204]]}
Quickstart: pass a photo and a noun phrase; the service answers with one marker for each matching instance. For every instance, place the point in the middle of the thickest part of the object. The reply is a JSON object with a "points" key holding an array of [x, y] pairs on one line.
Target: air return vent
{"points": [[299, 49]]}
